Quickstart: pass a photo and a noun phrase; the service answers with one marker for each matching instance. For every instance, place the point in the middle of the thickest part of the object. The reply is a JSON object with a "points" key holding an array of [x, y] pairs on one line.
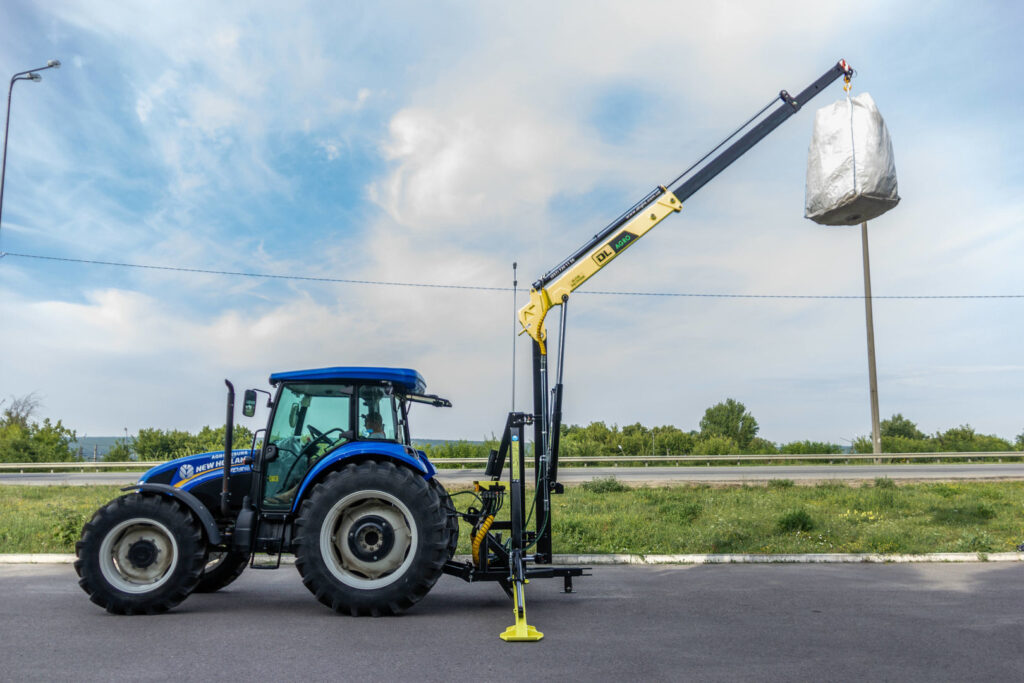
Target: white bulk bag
{"points": [[851, 176]]}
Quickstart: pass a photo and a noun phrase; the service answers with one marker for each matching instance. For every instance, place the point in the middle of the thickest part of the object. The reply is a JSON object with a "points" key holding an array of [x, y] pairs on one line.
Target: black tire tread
{"points": [[451, 515], [191, 551], [432, 527]]}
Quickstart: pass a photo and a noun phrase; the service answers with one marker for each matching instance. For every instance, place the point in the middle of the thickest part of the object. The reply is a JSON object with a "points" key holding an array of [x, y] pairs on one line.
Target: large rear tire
{"points": [[452, 517], [221, 568], [372, 539], [140, 554]]}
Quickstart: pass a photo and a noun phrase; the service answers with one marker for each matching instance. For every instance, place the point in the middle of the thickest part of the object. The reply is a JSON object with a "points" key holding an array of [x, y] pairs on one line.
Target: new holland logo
{"points": [[185, 471]]}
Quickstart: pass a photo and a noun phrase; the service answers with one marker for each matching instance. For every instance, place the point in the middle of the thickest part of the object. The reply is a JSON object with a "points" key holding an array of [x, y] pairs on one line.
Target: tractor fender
{"points": [[194, 504], [397, 453]]}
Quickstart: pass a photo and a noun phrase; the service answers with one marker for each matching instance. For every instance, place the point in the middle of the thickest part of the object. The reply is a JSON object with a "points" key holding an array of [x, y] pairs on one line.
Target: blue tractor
{"points": [[333, 478]]}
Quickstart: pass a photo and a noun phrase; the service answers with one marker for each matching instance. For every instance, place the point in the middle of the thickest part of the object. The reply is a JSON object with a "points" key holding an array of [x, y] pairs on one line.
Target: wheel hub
{"points": [[142, 553], [372, 539]]}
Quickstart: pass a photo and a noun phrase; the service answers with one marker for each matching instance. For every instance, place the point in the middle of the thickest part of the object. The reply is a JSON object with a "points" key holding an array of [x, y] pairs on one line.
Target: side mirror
{"points": [[270, 453], [293, 415], [249, 404]]}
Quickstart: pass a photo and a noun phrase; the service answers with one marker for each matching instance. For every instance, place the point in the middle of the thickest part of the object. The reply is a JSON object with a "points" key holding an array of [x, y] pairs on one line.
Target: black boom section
{"points": [[788, 107]]}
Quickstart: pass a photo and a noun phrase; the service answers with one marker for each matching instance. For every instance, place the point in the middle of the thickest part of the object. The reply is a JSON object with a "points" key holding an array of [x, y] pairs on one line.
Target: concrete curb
{"points": [[823, 558]]}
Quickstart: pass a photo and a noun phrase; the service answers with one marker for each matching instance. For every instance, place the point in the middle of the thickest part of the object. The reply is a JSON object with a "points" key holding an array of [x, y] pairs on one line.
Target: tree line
{"points": [[727, 428]]}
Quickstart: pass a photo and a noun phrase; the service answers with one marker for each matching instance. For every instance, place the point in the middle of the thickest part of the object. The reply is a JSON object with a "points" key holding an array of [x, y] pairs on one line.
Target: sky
{"points": [[438, 143]]}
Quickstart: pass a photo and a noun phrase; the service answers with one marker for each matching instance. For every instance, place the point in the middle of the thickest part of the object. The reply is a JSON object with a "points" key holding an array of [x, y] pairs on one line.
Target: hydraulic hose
{"points": [[479, 538]]}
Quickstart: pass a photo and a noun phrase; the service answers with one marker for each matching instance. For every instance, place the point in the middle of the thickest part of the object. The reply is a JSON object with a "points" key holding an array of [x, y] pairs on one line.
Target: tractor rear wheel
{"points": [[372, 539], [140, 554], [452, 517], [221, 568]]}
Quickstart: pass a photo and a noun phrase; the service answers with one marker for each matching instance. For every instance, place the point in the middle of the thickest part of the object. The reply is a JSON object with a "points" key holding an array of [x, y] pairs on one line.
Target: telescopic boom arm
{"points": [[603, 247]]}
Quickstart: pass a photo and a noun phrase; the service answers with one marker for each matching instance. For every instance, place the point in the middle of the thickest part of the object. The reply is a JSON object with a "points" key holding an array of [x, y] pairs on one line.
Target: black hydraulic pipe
{"points": [[556, 407], [540, 390], [229, 429], [687, 188]]}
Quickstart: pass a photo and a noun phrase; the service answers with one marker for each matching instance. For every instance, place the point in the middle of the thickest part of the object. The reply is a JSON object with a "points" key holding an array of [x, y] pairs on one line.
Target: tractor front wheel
{"points": [[140, 554], [221, 568], [372, 539]]}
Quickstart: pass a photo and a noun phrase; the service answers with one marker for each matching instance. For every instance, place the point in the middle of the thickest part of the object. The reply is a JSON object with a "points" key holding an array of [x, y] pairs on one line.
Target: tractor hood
{"points": [[192, 469]]}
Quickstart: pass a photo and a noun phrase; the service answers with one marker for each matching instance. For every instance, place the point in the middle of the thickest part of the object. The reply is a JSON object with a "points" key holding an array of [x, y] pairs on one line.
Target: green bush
{"points": [[67, 524], [25, 440], [795, 520], [604, 485], [810, 448], [716, 445]]}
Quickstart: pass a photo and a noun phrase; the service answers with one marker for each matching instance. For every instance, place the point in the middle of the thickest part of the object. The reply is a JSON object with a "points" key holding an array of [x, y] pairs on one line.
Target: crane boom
{"points": [[556, 285]]}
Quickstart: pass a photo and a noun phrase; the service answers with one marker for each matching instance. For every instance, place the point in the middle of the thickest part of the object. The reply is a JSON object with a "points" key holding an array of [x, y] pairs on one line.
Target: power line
{"points": [[269, 276], [481, 288]]}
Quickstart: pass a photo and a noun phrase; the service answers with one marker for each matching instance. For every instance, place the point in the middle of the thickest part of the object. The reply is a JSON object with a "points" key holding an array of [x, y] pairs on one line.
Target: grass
{"points": [[47, 519], [607, 517]]}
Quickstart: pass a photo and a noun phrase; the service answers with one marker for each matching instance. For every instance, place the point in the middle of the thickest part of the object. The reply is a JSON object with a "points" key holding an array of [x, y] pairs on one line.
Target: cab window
{"points": [[378, 418]]}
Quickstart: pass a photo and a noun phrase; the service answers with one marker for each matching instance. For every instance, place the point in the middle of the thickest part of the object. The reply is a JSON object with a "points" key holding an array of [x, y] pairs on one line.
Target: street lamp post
{"points": [[30, 75]]}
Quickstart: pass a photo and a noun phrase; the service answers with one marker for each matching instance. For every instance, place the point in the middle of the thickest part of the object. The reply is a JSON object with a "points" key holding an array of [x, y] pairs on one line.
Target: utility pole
{"points": [[876, 437]]}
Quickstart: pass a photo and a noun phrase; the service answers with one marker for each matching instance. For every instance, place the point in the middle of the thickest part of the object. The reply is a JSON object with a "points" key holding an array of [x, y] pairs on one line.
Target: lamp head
{"points": [[55, 63], [34, 77]]}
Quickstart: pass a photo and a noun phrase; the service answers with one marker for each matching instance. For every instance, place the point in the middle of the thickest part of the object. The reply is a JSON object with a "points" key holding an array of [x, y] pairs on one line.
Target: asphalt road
{"points": [[732, 622], [642, 475]]}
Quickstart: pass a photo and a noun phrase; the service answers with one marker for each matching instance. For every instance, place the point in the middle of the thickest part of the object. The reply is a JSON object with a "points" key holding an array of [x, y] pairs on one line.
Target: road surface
{"points": [[729, 623]]}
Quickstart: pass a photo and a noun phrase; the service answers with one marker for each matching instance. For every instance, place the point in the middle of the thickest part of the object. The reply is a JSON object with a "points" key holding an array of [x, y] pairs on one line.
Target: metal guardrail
{"points": [[610, 459]]}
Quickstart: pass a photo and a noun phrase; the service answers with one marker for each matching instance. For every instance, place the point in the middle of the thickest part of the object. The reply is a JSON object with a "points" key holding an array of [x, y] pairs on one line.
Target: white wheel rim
{"points": [[118, 569], [338, 556]]}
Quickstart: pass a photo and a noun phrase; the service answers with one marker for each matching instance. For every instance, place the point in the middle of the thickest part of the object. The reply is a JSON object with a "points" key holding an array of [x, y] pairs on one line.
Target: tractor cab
{"points": [[313, 420], [324, 416]]}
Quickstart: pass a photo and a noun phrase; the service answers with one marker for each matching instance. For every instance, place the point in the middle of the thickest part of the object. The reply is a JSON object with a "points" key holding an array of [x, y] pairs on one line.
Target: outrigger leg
{"points": [[519, 631]]}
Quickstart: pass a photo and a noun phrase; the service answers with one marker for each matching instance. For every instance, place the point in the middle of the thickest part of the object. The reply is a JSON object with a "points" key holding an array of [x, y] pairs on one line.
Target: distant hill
{"points": [[95, 447]]}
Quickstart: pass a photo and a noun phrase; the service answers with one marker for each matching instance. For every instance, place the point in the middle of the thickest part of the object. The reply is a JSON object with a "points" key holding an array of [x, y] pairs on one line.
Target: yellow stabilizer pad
{"points": [[521, 632]]}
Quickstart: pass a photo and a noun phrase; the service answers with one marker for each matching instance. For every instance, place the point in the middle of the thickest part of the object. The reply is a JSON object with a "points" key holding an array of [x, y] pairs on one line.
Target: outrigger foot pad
{"points": [[521, 632]]}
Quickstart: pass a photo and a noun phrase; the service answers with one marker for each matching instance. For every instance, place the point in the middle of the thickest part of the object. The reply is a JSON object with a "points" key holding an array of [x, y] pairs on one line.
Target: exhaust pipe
{"points": [[229, 429]]}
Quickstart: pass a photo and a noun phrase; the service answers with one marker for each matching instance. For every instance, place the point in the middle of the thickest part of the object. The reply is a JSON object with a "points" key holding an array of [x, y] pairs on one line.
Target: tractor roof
{"points": [[404, 378]]}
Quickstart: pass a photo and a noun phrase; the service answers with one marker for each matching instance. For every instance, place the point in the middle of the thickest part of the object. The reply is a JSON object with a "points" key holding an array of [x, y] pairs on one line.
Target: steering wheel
{"points": [[306, 451]]}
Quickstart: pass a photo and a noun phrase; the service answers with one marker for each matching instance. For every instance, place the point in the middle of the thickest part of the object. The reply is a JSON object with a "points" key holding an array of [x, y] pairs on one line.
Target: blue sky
{"points": [[440, 142]]}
